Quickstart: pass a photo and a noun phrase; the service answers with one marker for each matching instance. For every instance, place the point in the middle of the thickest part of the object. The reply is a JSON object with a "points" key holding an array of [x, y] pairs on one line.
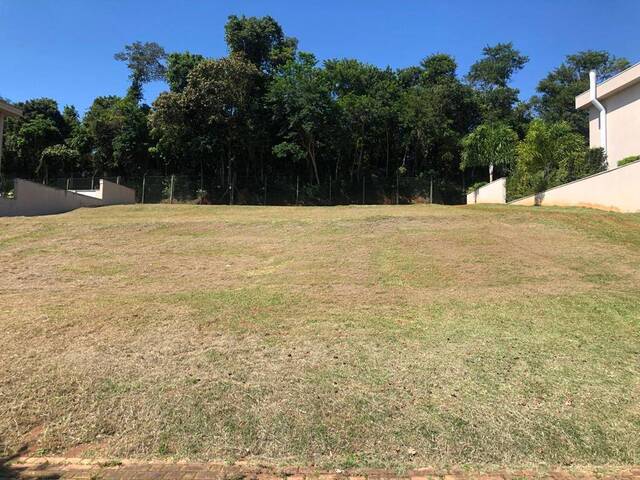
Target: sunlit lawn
{"points": [[349, 336]]}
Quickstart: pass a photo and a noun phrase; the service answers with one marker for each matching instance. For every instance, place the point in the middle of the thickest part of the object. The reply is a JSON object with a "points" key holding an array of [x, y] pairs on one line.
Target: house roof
{"points": [[9, 110], [611, 86]]}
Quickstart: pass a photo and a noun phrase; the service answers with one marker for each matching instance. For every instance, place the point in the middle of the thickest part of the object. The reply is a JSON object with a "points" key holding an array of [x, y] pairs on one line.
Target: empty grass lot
{"points": [[376, 336]]}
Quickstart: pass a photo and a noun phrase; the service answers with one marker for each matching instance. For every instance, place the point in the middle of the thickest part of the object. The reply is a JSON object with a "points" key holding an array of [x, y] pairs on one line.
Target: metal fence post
{"points": [[297, 188], [431, 189], [232, 187], [171, 191], [67, 183], [118, 179], [144, 181], [397, 187], [265, 190], [363, 190], [330, 203]]}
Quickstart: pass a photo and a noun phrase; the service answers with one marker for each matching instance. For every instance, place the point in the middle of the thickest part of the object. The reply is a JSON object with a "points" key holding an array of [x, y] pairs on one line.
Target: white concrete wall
{"points": [[494, 192], [89, 193], [32, 198], [110, 193], [617, 190], [114, 194]]}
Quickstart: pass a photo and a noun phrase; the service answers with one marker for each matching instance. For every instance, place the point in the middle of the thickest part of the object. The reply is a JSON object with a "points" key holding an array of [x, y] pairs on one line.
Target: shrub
{"points": [[628, 160], [596, 160], [550, 154]]}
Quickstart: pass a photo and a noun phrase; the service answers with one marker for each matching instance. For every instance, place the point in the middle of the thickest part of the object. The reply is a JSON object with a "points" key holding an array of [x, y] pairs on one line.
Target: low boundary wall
{"points": [[494, 192], [617, 189], [32, 198]]}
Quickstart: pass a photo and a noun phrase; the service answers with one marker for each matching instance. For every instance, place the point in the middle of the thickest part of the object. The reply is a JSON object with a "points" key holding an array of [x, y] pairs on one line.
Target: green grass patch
{"points": [[342, 337]]}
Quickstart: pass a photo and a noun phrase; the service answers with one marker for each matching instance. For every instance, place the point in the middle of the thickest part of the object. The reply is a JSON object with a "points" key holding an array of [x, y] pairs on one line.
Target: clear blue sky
{"points": [[64, 49]]}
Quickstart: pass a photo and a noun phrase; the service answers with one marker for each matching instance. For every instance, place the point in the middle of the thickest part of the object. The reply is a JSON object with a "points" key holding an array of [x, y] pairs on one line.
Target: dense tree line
{"points": [[269, 110]]}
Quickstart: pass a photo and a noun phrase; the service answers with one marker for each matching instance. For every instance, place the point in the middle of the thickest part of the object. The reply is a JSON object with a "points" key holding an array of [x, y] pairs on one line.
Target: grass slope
{"points": [[349, 336]]}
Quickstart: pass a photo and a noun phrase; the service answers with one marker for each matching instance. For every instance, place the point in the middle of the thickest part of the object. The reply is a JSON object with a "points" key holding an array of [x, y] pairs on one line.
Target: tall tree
{"points": [[437, 68], [261, 40], [145, 62], [436, 114], [558, 90], [41, 126], [300, 97], [362, 111], [491, 76], [118, 134], [71, 119], [218, 101], [179, 65]]}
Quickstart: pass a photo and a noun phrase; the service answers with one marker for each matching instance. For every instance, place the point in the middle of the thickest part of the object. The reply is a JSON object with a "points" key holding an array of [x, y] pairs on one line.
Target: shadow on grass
{"points": [[11, 471]]}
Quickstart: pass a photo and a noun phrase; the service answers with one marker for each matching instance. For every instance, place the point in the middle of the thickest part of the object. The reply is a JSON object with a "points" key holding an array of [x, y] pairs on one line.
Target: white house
{"points": [[614, 114]]}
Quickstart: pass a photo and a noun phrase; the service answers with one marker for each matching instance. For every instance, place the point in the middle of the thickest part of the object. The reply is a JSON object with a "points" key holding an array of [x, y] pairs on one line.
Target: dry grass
{"points": [[347, 336]]}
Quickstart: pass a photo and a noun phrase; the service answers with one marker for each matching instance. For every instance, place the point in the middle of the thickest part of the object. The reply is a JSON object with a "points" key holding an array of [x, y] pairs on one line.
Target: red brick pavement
{"points": [[69, 468]]}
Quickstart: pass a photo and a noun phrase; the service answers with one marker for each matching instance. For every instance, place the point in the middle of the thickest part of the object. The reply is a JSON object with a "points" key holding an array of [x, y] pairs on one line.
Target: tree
{"points": [[71, 120], [132, 141], [34, 136], [497, 67], [364, 96], [549, 155], [490, 145], [179, 65], [558, 90], [81, 141], [145, 62], [438, 67], [261, 40], [118, 134], [435, 115], [59, 158], [218, 103], [40, 126], [174, 140], [101, 127], [491, 76], [300, 98], [409, 77], [210, 126]]}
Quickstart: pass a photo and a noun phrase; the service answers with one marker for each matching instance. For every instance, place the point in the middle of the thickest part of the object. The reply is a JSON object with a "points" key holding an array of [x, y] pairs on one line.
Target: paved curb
{"points": [[109, 469]]}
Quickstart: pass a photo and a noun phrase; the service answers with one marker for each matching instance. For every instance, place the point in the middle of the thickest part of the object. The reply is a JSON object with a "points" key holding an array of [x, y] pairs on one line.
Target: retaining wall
{"points": [[32, 198], [114, 194], [617, 190], [494, 192]]}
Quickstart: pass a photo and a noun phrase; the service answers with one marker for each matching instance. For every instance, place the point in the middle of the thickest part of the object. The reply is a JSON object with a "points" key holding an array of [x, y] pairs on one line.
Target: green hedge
{"points": [[628, 160]]}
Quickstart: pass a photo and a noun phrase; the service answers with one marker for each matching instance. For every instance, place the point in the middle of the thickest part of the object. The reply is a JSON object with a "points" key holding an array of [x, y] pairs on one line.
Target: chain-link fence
{"points": [[289, 191], [370, 190]]}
